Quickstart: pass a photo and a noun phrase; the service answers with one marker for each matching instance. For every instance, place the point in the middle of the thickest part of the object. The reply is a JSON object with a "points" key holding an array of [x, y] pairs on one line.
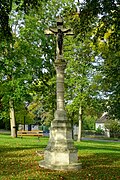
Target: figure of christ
{"points": [[60, 34], [60, 41]]}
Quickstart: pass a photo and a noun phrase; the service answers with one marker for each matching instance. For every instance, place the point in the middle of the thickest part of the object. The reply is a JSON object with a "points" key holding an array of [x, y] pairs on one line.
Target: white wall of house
{"points": [[100, 125]]}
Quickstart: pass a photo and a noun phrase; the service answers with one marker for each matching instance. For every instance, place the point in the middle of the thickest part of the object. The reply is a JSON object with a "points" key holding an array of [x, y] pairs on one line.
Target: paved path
{"points": [[101, 140]]}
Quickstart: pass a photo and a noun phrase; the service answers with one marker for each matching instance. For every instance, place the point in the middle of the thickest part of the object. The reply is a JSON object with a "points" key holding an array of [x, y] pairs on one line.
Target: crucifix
{"points": [[60, 32], [60, 64], [60, 153]]}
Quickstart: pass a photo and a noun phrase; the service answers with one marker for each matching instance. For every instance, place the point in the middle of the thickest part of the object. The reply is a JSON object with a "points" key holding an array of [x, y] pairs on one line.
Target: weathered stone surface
{"points": [[70, 167], [60, 153], [60, 115]]}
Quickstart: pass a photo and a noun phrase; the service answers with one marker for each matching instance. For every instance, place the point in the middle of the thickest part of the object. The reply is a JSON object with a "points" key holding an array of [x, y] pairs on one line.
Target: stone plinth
{"points": [[60, 153]]}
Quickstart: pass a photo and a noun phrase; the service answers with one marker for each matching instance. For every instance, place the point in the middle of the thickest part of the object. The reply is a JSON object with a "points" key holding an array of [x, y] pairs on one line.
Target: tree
{"points": [[103, 21], [13, 65], [26, 57], [82, 93]]}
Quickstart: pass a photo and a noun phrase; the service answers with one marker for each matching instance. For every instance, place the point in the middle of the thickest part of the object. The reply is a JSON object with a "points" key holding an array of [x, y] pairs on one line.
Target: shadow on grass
{"points": [[100, 146], [8, 144], [100, 159], [18, 157], [11, 149], [103, 166]]}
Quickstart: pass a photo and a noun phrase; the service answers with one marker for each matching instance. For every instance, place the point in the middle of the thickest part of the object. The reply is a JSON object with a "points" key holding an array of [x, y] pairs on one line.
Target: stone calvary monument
{"points": [[60, 153]]}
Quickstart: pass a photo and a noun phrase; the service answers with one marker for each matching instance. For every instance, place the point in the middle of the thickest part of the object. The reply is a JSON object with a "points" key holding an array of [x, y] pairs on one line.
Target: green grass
{"points": [[19, 160]]}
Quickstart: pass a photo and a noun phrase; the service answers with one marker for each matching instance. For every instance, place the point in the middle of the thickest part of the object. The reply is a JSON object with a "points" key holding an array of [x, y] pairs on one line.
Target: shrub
{"points": [[99, 131], [88, 132], [114, 128]]}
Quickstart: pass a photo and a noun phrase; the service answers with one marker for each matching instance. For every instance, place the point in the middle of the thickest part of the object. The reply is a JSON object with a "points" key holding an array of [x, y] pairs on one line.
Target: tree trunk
{"points": [[12, 120], [80, 122], [72, 128]]}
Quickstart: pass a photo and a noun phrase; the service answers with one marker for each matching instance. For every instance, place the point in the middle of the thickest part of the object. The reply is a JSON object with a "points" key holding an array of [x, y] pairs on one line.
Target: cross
{"points": [[60, 154], [59, 32]]}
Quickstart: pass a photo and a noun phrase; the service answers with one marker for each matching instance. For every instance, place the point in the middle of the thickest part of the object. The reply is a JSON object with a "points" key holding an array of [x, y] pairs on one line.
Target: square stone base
{"points": [[60, 157], [69, 167], [60, 153]]}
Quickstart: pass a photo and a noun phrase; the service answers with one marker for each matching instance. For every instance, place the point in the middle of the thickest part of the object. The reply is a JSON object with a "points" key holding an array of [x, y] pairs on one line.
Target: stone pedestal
{"points": [[60, 153]]}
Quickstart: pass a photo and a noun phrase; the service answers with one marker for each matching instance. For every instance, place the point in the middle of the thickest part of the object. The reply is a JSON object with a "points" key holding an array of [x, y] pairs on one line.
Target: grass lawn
{"points": [[19, 160]]}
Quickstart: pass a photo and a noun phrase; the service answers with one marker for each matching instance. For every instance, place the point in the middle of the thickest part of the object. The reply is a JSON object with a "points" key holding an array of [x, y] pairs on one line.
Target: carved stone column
{"points": [[60, 67], [60, 153]]}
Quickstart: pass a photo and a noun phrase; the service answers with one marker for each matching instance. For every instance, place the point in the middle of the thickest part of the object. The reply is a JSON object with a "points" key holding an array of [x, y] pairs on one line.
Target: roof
{"points": [[103, 118]]}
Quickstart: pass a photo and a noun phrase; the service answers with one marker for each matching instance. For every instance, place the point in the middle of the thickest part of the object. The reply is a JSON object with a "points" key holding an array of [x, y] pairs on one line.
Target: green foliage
{"points": [[111, 79], [89, 122], [24, 59], [7, 7], [114, 128], [27, 56], [102, 23], [89, 133], [22, 114], [99, 131], [82, 81]]}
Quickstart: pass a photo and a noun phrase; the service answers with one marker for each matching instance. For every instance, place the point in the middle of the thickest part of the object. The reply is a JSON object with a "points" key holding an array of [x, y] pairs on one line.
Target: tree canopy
{"points": [[27, 55]]}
